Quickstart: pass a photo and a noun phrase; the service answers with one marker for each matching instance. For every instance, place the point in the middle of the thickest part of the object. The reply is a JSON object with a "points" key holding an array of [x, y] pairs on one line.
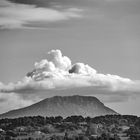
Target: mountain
{"points": [[63, 106]]}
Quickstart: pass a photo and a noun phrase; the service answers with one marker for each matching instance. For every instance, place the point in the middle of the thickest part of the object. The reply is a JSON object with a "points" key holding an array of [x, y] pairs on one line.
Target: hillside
{"points": [[63, 106]]}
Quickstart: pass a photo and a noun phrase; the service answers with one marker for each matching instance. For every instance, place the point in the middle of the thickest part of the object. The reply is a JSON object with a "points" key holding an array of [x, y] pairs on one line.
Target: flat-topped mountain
{"points": [[63, 106]]}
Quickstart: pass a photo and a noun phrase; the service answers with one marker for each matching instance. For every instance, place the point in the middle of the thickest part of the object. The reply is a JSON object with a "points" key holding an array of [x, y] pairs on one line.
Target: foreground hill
{"points": [[63, 106]]}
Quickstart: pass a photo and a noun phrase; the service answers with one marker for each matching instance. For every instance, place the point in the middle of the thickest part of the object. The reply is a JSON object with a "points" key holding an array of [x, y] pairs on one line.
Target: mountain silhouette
{"points": [[63, 106]]}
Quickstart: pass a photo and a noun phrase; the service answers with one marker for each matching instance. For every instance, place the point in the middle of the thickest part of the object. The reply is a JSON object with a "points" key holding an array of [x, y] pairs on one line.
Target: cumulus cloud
{"points": [[59, 73], [13, 15], [80, 68]]}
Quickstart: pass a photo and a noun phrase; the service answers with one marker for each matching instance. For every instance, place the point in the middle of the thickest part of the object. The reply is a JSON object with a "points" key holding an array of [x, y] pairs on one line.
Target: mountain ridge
{"points": [[63, 106]]}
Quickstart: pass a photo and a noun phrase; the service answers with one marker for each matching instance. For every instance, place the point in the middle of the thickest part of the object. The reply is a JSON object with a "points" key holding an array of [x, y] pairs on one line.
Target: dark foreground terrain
{"points": [[109, 127]]}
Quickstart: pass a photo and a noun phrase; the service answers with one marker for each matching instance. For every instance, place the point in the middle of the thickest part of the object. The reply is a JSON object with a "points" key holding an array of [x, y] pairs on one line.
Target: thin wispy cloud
{"points": [[13, 15], [12, 101]]}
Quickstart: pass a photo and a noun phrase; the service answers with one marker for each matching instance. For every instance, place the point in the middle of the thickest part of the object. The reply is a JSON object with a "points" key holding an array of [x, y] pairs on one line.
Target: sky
{"points": [[98, 40]]}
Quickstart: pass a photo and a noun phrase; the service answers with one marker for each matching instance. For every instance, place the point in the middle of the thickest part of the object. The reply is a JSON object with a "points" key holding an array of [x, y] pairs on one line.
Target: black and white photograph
{"points": [[69, 69]]}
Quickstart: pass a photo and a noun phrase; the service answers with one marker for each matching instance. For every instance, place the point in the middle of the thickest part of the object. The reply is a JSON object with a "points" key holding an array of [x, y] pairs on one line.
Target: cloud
{"points": [[59, 73], [13, 15], [10, 101]]}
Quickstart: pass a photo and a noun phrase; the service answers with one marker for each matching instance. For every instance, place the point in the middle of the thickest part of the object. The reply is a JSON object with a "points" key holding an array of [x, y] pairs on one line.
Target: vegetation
{"points": [[109, 127]]}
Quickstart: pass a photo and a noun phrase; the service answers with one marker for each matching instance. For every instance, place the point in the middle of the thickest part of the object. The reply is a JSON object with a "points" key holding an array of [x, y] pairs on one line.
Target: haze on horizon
{"points": [[101, 33]]}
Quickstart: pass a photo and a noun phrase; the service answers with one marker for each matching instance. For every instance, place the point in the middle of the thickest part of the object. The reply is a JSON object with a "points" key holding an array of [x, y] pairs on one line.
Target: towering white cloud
{"points": [[61, 62], [60, 73]]}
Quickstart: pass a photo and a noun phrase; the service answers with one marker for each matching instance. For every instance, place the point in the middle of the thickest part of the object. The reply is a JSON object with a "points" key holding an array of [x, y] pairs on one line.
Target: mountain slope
{"points": [[63, 106]]}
